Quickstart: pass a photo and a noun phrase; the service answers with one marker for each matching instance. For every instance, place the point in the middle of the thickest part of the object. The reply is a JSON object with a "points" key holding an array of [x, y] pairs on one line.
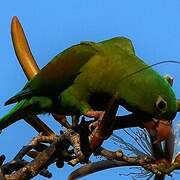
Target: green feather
{"points": [[58, 74], [33, 106]]}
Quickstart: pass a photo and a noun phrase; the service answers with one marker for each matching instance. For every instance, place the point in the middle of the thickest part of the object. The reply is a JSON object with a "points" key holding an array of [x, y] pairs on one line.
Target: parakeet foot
{"points": [[95, 138], [93, 126], [98, 115]]}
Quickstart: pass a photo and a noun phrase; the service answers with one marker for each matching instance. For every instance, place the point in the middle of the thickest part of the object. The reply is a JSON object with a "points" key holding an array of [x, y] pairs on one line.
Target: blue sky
{"points": [[51, 26]]}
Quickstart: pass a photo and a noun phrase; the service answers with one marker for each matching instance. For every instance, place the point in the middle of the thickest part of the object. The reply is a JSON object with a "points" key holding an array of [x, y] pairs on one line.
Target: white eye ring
{"points": [[161, 104]]}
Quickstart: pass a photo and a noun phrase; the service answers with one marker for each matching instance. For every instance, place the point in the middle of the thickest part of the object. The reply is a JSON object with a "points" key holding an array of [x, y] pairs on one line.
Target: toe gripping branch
{"points": [[104, 124]]}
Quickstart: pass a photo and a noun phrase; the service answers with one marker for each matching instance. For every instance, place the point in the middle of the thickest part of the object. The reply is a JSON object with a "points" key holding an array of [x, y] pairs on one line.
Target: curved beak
{"points": [[160, 129]]}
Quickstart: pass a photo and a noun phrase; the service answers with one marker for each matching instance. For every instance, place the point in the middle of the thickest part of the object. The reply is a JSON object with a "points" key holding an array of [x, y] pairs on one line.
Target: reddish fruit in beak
{"points": [[161, 129]]}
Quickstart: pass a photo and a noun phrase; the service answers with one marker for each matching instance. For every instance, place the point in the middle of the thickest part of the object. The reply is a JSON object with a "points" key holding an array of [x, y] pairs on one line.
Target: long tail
{"points": [[26, 107], [13, 115]]}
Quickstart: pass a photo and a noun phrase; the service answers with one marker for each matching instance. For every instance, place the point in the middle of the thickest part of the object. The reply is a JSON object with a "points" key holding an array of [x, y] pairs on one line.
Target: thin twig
{"points": [[136, 140]]}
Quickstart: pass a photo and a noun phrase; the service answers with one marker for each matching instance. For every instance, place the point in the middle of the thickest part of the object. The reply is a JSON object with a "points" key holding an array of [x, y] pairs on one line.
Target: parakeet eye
{"points": [[161, 104]]}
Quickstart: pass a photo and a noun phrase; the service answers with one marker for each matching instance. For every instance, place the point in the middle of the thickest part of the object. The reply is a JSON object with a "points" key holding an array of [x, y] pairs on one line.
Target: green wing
{"points": [[61, 71], [58, 74]]}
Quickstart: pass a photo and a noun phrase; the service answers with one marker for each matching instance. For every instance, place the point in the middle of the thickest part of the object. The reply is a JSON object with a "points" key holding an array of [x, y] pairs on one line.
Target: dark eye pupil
{"points": [[161, 105]]}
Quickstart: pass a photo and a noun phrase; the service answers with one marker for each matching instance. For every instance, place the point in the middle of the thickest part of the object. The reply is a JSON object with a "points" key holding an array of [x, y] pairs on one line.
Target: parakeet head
{"points": [[163, 111], [151, 97], [162, 102]]}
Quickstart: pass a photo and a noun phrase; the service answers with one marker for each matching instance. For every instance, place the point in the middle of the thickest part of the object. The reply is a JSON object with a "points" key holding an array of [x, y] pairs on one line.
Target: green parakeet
{"points": [[83, 78]]}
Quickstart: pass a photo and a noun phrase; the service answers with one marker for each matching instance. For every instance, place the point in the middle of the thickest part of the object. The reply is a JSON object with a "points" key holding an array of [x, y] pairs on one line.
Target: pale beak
{"points": [[161, 129]]}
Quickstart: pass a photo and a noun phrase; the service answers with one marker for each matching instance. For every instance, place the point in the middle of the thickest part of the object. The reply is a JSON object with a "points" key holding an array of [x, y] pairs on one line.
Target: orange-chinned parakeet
{"points": [[84, 77]]}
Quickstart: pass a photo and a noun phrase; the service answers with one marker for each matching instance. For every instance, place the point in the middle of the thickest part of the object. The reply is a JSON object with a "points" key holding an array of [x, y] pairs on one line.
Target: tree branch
{"points": [[97, 166]]}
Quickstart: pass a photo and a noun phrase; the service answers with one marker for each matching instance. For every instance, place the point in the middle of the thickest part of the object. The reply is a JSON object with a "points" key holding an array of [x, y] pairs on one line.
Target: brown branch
{"points": [[115, 159], [58, 152], [118, 155], [121, 122], [33, 154], [35, 166], [160, 168], [178, 105], [147, 163], [15, 165], [44, 158], [165, 154], [12, 166], [74, 139], [26, 170], [62, 120], [97, 166], [105, 125], [38, 125], [159, 177], [75, 120], [110, 155], [39, 139], [169, 147]]}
